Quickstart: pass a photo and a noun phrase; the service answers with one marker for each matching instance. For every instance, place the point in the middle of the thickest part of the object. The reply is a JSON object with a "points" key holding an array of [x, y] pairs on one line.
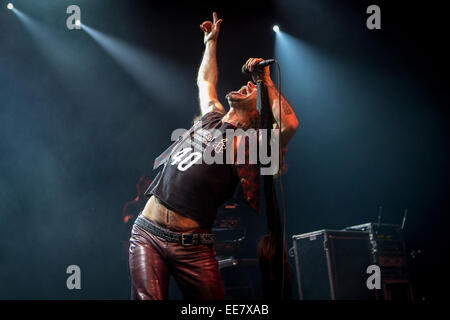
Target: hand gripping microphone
{"points": [[259, 66]]}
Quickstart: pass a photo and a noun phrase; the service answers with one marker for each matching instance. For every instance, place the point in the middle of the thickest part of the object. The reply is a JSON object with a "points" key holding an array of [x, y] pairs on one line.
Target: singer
{"points": [[172, 235]]}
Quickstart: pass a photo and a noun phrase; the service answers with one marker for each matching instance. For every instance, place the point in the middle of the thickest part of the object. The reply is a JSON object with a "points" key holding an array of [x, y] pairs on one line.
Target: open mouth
{"points": [[244, 91], [248, 89]]}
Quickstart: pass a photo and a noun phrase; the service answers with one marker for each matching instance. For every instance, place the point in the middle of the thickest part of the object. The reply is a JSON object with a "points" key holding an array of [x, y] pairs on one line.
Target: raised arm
{"points": [[207, 73], [289, 119]]}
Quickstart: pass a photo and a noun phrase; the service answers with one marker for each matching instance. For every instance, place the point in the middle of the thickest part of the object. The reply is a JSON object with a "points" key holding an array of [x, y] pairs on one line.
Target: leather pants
{"points": [[153, 260]]}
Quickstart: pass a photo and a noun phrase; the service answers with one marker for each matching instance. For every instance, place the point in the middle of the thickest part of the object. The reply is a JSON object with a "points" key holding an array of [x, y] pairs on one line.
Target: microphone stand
{"points": [[273, 258]]}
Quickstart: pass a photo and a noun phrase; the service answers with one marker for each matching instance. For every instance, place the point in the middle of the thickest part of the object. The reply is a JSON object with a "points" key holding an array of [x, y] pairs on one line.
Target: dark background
{"points": [[76, 131]]}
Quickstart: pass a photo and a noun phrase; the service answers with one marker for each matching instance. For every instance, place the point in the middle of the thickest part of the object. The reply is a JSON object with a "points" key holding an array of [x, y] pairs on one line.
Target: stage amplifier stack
{"points": [[237, 229], [387, 249], [331, 265]]}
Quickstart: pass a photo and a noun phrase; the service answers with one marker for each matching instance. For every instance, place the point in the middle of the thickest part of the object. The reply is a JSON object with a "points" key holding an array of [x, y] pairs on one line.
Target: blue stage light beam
{"points": [[160, 78], [316, 81], [292, 55], [332, 90], [58, 51], [307, 69]]}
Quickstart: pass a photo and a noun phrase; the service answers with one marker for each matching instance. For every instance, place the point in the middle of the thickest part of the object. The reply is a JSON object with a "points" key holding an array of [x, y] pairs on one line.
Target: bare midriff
{"points": [[159, 213]]}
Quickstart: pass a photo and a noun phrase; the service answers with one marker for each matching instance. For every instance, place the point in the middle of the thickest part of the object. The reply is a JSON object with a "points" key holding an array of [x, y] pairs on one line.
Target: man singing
{"points": [[172, 236]]}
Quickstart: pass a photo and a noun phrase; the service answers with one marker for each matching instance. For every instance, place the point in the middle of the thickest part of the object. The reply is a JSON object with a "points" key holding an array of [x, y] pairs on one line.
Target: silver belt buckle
{"points": [[183, 239]]}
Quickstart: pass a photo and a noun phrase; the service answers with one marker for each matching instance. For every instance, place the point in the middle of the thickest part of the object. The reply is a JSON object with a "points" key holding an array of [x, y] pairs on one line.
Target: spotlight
{"points": [[276, 28], [78, 23], [10, 6]]}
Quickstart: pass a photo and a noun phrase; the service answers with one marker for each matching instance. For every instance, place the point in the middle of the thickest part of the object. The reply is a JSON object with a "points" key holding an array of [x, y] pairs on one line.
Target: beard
{"points": [[241, 101]]}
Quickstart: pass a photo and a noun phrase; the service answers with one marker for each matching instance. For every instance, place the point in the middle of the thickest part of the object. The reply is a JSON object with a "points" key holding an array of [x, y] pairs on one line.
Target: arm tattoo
{"points": [[284, 105], [286, 109]]}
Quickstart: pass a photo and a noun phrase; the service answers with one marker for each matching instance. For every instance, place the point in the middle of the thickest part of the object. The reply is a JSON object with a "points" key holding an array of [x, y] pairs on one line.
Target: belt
{"points": [[186, 239]]}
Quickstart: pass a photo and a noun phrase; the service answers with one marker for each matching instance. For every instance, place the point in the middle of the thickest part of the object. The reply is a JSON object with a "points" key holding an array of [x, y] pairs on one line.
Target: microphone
{"points": [[259, 66]]}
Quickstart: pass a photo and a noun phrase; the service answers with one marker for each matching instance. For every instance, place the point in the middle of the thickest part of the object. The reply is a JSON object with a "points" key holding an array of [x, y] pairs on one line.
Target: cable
{"points": [[283, 195]]}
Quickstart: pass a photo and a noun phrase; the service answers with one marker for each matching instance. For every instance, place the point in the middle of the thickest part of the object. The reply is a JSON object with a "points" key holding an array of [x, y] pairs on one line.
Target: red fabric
{"points": [[249, 178]]}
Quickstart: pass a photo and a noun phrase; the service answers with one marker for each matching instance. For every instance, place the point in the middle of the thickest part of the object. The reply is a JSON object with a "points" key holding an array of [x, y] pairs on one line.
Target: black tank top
{"points": [[189, 186]]}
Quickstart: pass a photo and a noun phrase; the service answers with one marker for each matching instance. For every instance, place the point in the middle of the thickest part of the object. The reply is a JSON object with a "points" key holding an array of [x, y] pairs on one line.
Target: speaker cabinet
{"points": [[332, 264]]}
